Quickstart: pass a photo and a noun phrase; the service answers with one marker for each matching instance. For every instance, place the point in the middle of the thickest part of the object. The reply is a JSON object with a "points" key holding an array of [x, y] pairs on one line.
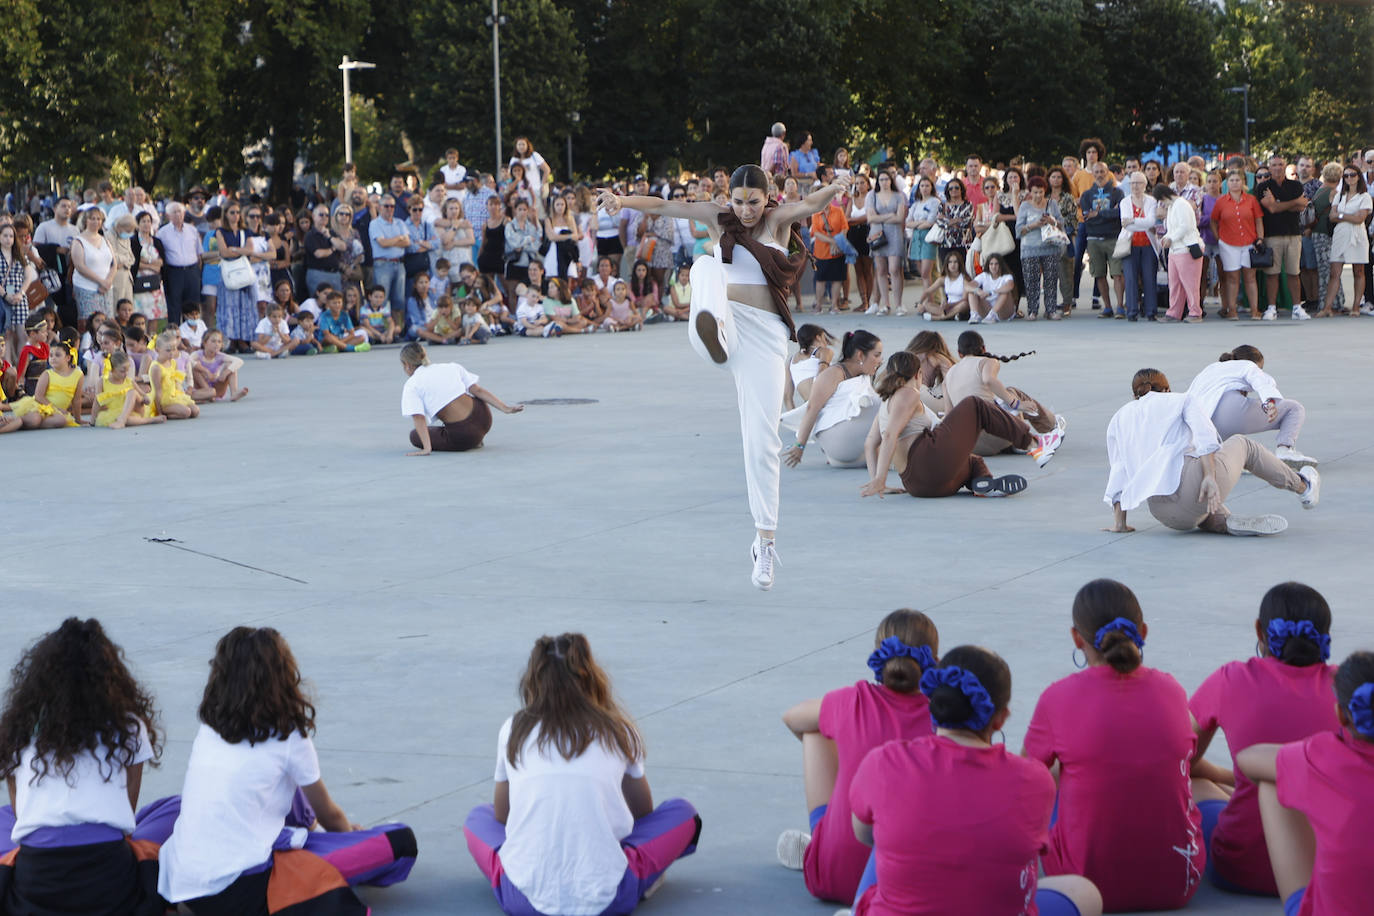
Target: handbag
{"points": [[1261, 255], [645, 251], [1123, 245], [936, 235], [1053, 235], [146, 283], [1195, 250], [36, 294], [878, 244], [998, 240], [237, 273], [51, 279]]}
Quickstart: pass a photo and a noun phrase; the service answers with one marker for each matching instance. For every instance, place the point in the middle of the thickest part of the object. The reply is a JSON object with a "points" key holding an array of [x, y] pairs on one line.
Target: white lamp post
{"points": [[496, 20], [346, 66]]}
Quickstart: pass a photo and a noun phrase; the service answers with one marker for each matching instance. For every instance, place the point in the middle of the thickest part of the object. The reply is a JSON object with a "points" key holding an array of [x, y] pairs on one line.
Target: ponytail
{"points": [[1107, 615], [1244, 351], [855, 341], [1295, 621], [971, 344], [901, 368], [1147, 380]]}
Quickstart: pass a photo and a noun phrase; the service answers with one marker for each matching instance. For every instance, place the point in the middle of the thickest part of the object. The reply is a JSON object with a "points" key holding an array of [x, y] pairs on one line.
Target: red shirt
{"points": [[31, 351], [1236, 219]]}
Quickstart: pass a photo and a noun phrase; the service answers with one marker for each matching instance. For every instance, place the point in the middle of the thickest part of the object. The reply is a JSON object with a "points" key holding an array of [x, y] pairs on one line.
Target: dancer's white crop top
{"points": [[804, 369], [745, 270]]}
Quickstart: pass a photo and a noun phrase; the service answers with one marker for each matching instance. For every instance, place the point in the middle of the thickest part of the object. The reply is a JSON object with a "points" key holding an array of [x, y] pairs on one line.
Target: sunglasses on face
{"points": [[1352, 175], [679, 196]]}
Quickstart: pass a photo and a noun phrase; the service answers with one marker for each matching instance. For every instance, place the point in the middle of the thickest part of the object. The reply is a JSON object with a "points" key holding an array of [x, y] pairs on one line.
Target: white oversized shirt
{"points": [[1147, 441], [1232, 375], [432, 388]]}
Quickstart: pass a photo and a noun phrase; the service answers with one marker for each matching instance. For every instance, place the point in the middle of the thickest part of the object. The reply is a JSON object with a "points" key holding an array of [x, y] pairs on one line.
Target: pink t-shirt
{"points": [[1127, 821], [857, 719], [1258, 701], [1330, 778], [957, 829]]}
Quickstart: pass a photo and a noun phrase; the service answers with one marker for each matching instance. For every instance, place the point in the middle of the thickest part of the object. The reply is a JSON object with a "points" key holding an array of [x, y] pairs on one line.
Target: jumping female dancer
{"points": [[976, 375], [450, 394], [934, 458], [842, 405], [836, 733], [741, 320], [1222, 390], [1162, 447]]}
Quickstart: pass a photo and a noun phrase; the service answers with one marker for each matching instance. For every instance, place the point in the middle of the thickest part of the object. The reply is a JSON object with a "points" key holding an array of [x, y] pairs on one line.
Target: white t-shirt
{"points": [[277, 334], [313, 307], [233, 805], [432, 388], [95, 792], [992, 288], [567, 818], [529, 310], [954, 289], [534, 175], [193, 332], [453, 174]]}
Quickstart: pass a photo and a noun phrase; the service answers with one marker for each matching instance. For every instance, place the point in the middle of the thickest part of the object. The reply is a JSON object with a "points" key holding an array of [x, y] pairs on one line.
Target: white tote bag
{"points": [[237, 273]]}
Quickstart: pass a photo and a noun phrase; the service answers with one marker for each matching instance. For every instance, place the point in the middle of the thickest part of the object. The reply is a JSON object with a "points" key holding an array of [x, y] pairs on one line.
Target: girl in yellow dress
{"points": [[119, 402], [169, 381], [56, 402], [8, 421]]}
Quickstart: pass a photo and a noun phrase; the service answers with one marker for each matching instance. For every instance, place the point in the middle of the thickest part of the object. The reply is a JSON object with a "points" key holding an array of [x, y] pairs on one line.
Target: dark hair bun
{"points": [[948, 704]]}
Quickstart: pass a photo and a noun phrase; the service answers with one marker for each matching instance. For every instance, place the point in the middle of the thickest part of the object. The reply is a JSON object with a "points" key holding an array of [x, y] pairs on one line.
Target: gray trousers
{"points": [[1182, 510], [1237, 414]]}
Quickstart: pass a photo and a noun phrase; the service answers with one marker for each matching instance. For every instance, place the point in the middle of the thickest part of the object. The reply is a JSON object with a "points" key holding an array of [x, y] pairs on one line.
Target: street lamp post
{"points": [[574, 117], [496, 20], [347, 66], [1245, 112]]}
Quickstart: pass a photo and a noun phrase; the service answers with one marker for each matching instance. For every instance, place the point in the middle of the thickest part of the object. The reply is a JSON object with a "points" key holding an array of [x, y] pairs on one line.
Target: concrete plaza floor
{"points": [[411, 589]]}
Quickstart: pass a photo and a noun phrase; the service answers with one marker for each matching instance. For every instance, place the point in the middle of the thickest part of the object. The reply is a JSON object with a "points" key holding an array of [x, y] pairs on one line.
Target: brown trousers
{"points": [[1183, 511], [940, 461], [461, 436], [1040, 417]]}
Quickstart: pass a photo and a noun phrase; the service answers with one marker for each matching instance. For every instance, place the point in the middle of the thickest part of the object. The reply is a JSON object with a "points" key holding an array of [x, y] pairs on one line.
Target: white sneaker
{"points": [[872, 309], [926, 316], [1061, 423], [792, 848], [991, 318], [263, 354], [974, 319], [1367, 310], [901, 312], [1313, 493], [1270, 314], [1294, 458], [1255, 525], [765, 557], [1047, 444], [1300, 314]]}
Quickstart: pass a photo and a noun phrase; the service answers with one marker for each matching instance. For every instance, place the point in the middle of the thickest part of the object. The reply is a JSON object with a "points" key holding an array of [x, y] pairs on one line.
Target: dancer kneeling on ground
{"points": [[837, 732], [76, 731], [841, 406], [1121, 736], [1316, 799], [1223, 389], [976, 375], [956, 822], [934, 457], [245, 838], [573, 827], [1282, 695], [450, 394], [1162, 447]]}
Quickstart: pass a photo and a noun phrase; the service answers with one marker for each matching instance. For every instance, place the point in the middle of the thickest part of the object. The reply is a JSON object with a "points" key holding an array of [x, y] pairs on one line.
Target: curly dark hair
{"points": [[71, 692], [255, 693]]}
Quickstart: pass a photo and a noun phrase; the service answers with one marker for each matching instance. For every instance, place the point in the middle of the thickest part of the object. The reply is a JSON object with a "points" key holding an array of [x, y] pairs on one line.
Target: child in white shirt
{"points": [[272, 337], [529, 315], [192, 328]]}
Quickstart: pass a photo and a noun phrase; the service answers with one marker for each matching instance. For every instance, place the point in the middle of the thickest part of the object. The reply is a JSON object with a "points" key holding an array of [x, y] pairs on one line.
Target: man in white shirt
{"points": [[454, 173], [181, 265]]}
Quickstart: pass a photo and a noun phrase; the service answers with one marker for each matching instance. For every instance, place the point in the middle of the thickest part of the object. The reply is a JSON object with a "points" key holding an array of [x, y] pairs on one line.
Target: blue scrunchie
{"points": [[967, 683], [892, 647], [1280, 631], [1125, 626], [1360, 707]]}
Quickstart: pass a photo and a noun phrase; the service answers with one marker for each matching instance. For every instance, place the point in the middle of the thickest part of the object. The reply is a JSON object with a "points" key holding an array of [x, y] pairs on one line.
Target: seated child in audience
{"points": [[315, 304], [57, 397], [374, 317], [214, 373], [837, 731], [33, 356], [596, 295], [644, 292], [499, 318], [956, 822], [475, 330], [9, 379], [560, 307], [88, 344], [439, 283], [445, 327], [284, 295], [529, 315], [419, 307], [76, 731], [108, 339], [168, 379], [621, 314], [8, 421], [136, 345], [467, 281], [305, 336], [573, 827], [1316, 798], [353, 301], [140, 321], [337, 332], [679, 304], [1283, 695], [253, 792], [272, 336], [192, 328], [1123, 738], [119, 402], [124, 312]]}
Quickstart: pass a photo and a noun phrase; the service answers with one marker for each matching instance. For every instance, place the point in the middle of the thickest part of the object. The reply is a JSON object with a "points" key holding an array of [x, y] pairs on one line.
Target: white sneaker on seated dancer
{"points": [[1255, 525], [792, 848], [1006, 485], [1293, 458], [1313, 493], [765, 557]]}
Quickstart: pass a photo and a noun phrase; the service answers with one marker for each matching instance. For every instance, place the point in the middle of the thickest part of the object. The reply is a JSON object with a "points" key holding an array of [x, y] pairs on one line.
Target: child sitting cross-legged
{"points": [[530, 317], [272, 337], [168, 378], [419, 307], [119, 402], [475, 329], [192, 328], [305, 335], [214, 373], [336, 328], [374, 317], [445, 327]]}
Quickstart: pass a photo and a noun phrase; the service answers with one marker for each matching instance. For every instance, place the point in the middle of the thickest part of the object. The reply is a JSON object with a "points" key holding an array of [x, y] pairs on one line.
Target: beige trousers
{"points": [[1182, 510]]}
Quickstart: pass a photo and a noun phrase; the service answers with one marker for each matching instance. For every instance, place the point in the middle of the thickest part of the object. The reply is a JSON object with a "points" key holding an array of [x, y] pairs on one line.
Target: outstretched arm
{"points": [[482, 394], [815, 202], [703, 211]]}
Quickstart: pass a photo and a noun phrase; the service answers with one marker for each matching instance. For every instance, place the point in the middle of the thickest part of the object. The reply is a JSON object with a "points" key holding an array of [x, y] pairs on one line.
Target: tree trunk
{"points": [[283, 165]]}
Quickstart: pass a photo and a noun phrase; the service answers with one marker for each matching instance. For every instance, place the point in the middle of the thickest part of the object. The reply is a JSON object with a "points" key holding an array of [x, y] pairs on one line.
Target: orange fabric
{"points": [[832, 222], [298, 876], [1236, 220], [7, 860], [144, 850], [1080, 182]]}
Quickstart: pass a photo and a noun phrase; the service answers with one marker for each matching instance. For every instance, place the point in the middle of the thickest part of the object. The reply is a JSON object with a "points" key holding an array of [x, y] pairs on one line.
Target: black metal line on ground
{"points": [[176, 545]]}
